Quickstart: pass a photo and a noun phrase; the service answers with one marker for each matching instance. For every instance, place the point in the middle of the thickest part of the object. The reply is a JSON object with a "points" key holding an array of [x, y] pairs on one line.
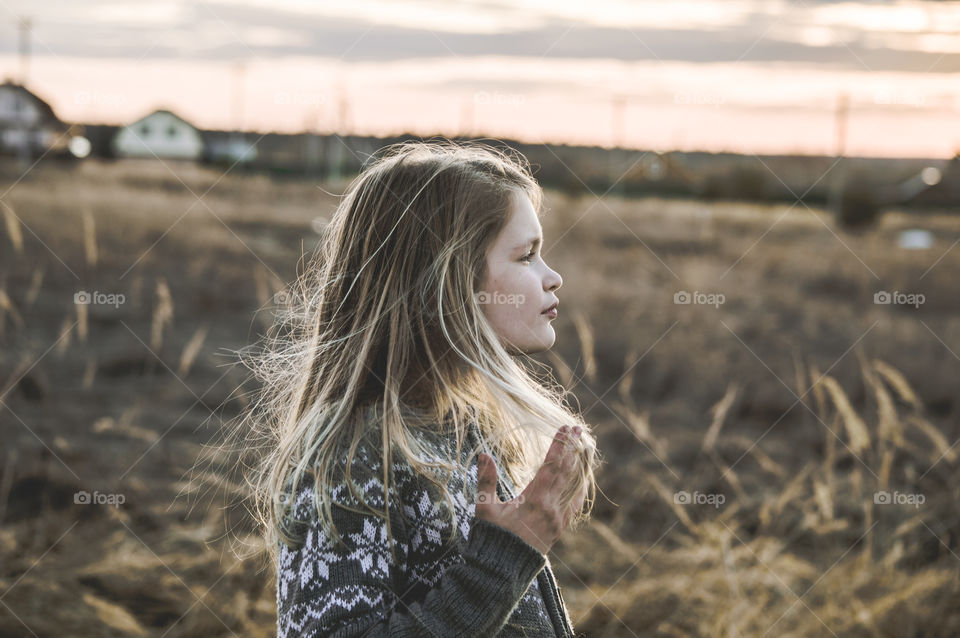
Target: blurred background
{"points": [[754, 207]]}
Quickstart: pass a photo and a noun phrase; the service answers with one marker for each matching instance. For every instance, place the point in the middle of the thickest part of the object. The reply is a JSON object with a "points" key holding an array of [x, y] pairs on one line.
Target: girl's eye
{"points": [[527, 258]]}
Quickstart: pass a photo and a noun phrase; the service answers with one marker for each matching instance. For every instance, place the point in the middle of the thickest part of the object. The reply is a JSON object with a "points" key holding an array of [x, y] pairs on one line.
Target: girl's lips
{"points": [[552, 313]]}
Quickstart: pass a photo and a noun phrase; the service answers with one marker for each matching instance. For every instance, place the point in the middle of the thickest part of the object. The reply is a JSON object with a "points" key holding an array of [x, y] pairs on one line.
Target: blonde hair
{"points": [[384, 335]]}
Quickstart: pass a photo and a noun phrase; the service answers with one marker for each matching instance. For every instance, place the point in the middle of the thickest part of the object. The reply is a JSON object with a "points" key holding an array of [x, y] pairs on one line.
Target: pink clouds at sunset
{"points": [[738, 76]]}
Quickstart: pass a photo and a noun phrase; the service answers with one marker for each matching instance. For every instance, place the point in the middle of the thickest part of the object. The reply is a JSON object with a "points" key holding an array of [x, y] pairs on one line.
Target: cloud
{"points": [[234, 30]]}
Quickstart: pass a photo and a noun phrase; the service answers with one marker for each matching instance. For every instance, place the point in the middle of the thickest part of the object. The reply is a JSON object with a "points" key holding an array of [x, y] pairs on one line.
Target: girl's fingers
{"points": [[572, 457], [560, 461], [486, 481], [558, 457], [570, 452], [570, 463], [547, 474], [557, 447]]}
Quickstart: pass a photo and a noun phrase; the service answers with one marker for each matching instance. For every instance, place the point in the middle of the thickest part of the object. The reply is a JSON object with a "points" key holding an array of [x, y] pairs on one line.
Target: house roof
{"points": [[168, 112], [46, 110]]}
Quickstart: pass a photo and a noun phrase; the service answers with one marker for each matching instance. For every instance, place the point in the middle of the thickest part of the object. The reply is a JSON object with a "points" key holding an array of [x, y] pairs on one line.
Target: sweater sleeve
{"points": [[324, 589]]}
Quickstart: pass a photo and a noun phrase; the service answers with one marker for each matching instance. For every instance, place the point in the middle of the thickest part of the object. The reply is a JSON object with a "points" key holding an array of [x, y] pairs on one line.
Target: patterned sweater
{"points": [[490, 582]]}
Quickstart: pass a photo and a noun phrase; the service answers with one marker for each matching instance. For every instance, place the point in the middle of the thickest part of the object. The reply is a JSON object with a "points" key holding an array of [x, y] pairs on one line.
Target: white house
{"points": [[160, 134], [28, 125]]}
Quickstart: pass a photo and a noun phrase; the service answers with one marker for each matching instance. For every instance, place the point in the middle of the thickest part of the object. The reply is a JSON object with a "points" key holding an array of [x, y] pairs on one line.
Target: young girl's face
{"points": [[519, 286]]}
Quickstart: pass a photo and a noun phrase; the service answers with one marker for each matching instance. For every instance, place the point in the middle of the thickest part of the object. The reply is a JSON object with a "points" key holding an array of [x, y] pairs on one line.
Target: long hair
{"points": [[383, 335]]}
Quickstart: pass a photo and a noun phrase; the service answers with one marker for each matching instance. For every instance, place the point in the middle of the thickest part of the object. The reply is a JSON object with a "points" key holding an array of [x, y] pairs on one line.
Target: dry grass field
{"points": [[780, 455]]}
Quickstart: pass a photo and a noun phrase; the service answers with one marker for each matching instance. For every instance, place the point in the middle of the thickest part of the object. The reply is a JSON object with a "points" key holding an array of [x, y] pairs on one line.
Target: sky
{"points": [[759, 76]]}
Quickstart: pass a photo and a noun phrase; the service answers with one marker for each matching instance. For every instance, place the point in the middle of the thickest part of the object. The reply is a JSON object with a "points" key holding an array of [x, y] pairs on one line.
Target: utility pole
{"points": [[614, 168], [839, 176], [840, 128], [25, 150], [616, 120], [312, 150], [335, 168], [343, 110], [237, 141], [26, 24]]}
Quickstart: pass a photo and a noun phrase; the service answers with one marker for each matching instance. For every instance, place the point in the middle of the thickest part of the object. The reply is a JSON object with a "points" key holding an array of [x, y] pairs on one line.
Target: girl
{"points": [[417, 473]]}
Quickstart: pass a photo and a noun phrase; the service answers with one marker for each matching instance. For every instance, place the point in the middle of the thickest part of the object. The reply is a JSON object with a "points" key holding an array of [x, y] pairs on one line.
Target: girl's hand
{"points": [[535, 515]]}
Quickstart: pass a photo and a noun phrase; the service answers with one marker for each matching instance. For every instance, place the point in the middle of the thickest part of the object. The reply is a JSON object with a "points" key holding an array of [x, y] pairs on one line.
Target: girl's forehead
{"points": [[523, 218]]}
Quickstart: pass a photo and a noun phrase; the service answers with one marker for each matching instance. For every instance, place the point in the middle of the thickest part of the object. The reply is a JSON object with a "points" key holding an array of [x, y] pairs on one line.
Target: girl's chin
{"points": [[532, 348], [549, 338]]}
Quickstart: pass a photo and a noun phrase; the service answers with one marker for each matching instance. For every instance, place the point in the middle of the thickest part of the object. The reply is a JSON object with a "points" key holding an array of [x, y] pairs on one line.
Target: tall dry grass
{"points": [[12, 224], [800, 547]]}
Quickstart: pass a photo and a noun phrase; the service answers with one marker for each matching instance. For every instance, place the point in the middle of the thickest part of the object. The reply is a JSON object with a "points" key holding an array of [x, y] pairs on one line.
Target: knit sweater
{"points": [[489, 582]]}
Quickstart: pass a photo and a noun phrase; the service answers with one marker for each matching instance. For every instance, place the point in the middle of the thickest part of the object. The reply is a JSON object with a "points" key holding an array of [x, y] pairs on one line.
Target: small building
{"points": [[228, 147], [161, 134], [28, 125]]}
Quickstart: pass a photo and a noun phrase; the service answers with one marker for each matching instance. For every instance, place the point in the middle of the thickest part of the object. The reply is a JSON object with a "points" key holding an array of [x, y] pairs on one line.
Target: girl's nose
{"points": [[554, 280]]}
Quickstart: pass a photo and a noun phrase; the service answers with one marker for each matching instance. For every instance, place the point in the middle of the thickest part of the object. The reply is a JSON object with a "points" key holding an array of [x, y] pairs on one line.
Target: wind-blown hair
{"points": [[383, 334]]}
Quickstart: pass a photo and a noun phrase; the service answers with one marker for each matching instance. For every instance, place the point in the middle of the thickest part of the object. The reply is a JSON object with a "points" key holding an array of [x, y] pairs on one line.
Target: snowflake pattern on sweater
{"points": [[325, 589]]}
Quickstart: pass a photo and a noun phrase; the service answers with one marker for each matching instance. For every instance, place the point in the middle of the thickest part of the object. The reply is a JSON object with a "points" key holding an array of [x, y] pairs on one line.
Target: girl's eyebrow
{"points": [[533, 240]]}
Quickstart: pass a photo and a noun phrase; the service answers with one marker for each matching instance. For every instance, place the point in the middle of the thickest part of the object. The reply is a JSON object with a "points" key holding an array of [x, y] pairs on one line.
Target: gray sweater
{"points": [[490, 582]]}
